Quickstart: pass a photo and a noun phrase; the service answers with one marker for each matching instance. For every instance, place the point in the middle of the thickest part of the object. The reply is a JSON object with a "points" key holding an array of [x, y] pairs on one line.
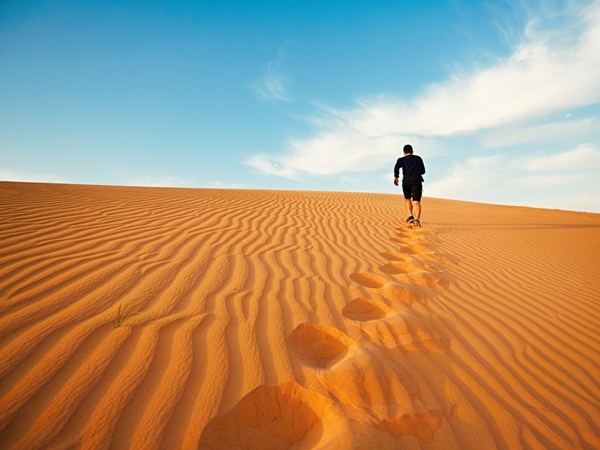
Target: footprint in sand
{"points": [[417, 233], [418, 272], [362, 309], [268, 417], [426, 278], [412, 248], [403, 263], [406, 331], [319, 345], [390, 290], [421, 425], [424, 252], [398, 267]]}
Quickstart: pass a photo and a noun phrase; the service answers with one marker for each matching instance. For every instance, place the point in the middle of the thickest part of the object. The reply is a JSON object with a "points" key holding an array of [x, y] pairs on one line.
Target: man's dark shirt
{"points": [[412, 168]]}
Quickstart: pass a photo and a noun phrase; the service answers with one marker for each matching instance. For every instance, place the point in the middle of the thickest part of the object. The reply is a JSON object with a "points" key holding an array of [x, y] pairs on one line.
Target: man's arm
{"points": [[397, 171], [397, 168]]}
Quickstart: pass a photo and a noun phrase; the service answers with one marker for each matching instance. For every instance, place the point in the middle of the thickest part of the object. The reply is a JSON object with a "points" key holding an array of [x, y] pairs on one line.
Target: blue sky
{"points": [[501, 99]]}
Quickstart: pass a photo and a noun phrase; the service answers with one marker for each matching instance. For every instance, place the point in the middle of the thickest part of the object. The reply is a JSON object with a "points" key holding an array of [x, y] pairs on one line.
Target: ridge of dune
{"points": [[285, 319]]}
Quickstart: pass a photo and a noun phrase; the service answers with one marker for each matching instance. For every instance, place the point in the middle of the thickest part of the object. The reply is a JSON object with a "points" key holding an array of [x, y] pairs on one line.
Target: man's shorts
{"points": [[412, 188]]}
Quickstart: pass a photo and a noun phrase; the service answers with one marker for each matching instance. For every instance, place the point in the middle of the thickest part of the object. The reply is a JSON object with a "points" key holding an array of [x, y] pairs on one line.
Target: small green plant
{"points": [[122, 313]]}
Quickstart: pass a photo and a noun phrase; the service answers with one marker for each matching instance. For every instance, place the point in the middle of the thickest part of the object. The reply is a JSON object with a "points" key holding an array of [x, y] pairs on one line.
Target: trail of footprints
{"points": [[412, 275], [371, 376]]}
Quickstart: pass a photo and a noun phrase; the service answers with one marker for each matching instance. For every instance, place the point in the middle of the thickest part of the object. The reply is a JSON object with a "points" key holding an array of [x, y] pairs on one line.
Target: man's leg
{"points": [[417, 192], [417, 207], [409, 206]]}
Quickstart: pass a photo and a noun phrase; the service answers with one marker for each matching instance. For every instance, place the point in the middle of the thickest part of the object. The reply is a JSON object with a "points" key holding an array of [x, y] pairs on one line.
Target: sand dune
{"points": [[218, 319]]}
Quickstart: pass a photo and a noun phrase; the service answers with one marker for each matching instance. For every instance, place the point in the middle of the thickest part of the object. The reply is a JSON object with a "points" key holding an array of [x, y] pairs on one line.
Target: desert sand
{"points": [[220, 319]]}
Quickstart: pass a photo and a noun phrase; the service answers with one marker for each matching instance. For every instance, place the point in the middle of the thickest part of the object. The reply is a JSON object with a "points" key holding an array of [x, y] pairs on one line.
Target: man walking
{"points": [[412, 183]]}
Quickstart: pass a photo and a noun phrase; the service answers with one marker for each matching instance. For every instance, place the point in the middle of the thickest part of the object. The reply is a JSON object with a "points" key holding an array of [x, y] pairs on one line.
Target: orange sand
{"points": [[312, 320]]}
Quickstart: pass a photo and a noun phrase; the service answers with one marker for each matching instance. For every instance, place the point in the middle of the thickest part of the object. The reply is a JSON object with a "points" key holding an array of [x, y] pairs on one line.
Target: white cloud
{"points": [[540, 180], [582, 158], [345, 152], [474, 179], [550, 71]]}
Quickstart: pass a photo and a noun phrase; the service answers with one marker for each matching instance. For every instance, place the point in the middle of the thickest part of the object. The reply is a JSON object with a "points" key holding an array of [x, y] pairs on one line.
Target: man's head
{"points": [[408, 149]]}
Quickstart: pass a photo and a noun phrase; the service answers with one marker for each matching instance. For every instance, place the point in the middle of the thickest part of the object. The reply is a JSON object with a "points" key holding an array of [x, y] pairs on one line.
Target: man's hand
{"points": [[396, 181]]}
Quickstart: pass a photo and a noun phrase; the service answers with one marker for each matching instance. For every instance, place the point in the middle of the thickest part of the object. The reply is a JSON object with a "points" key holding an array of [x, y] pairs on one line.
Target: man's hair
{"points": [[408, 148]]}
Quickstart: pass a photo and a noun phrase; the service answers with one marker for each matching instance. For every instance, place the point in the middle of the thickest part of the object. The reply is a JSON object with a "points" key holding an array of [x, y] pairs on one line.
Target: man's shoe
{"points": [[410, 219]]}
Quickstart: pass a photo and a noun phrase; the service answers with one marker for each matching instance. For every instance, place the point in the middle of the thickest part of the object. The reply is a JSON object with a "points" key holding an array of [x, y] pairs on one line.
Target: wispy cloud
{"points": [[519, 133], [273, 84], [551, 70]]}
